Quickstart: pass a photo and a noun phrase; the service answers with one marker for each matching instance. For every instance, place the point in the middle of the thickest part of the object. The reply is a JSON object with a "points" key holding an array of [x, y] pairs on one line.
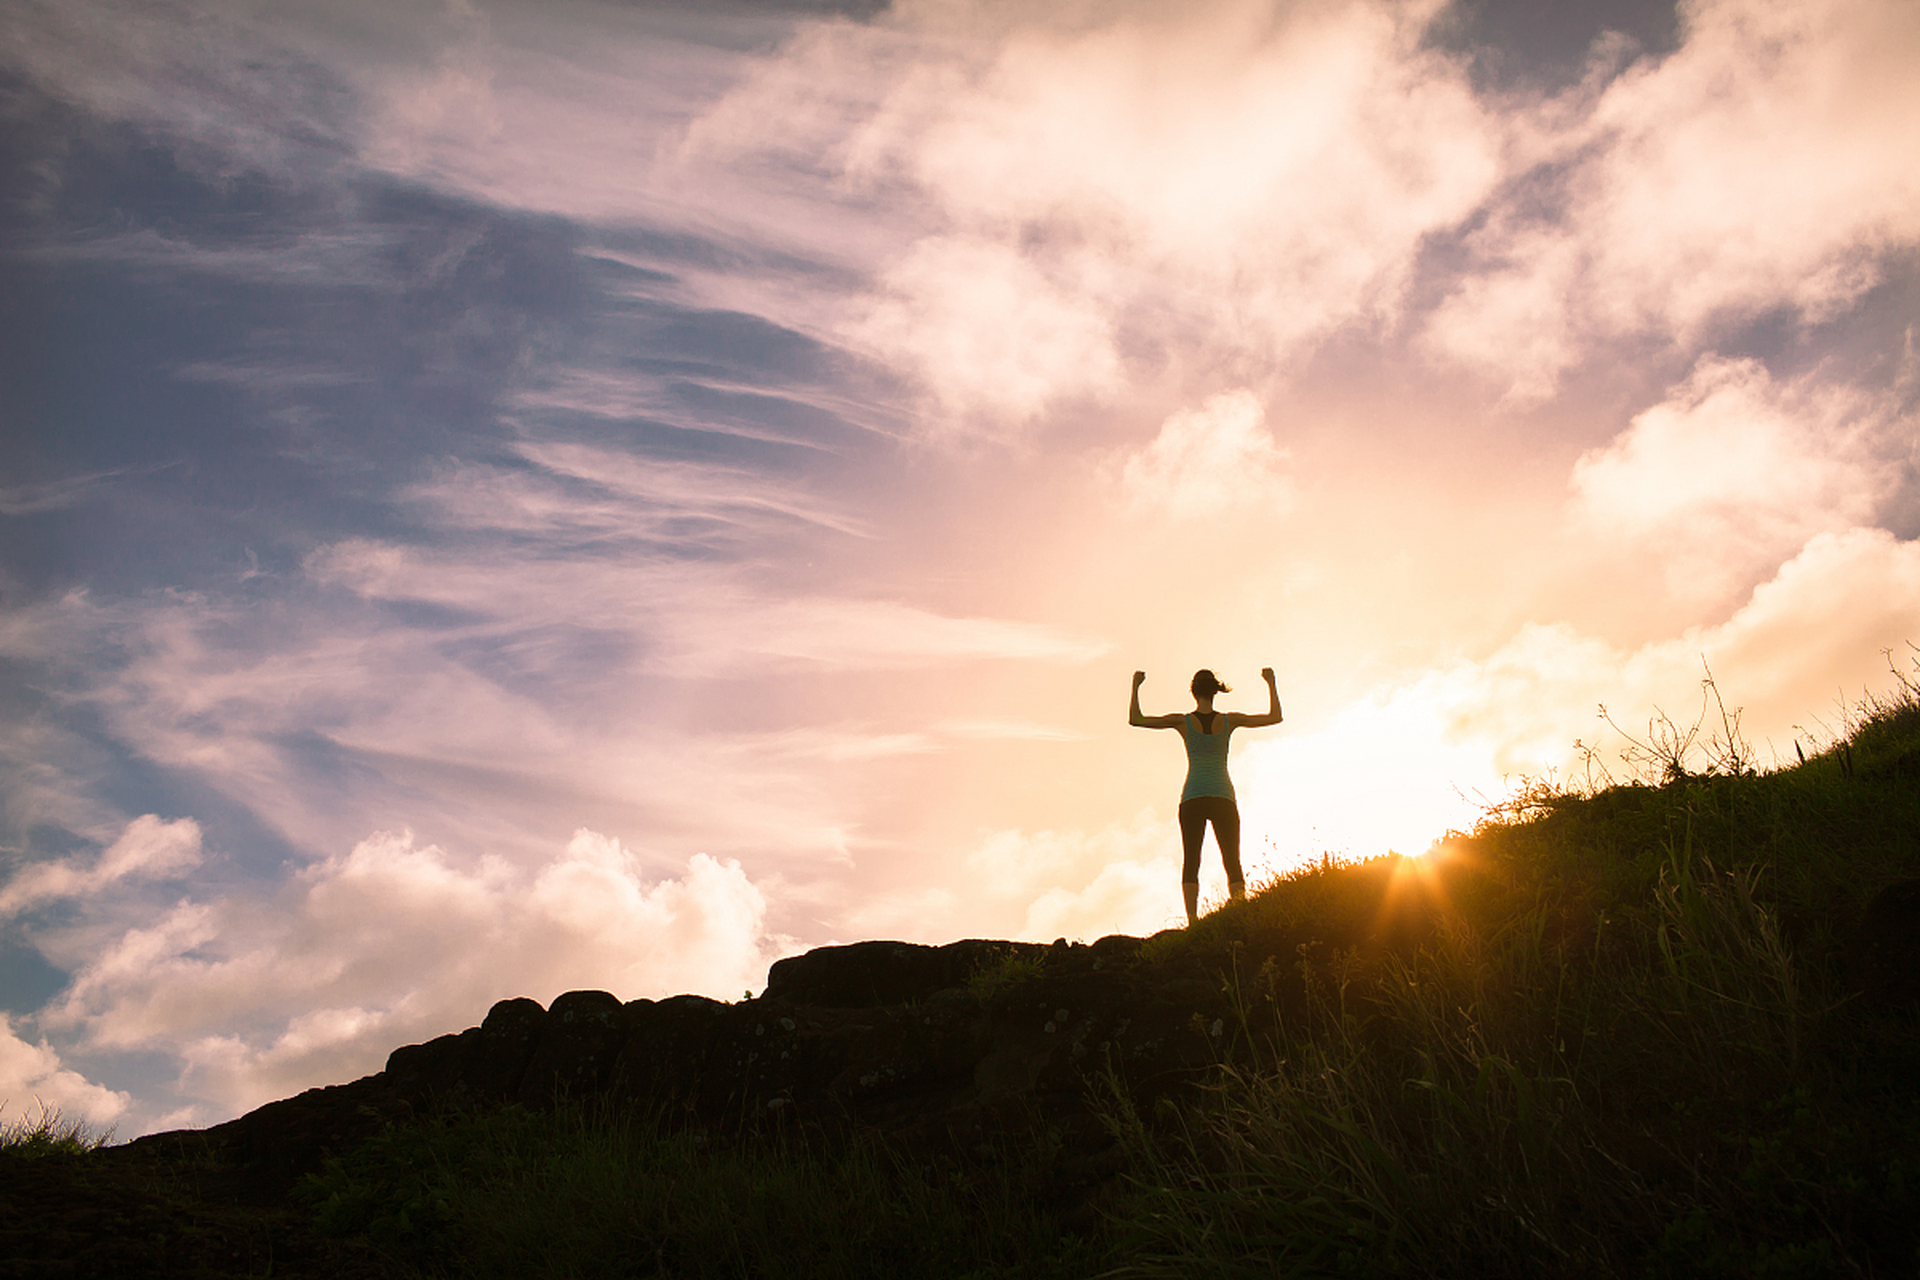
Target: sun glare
{"points": [[1381, 778]]}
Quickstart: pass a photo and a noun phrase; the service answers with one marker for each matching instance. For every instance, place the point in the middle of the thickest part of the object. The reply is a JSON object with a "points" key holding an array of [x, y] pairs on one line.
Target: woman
{"points": [[1208, 795]]}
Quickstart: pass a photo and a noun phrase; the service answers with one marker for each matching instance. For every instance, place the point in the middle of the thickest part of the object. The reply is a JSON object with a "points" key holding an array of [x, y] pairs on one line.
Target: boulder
{"points": [[663, 1053], [576, 1048], [868, 975], [506, 1043]]}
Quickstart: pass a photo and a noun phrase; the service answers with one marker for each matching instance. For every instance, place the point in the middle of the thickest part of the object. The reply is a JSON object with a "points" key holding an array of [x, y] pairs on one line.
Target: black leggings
{"points": [[1225, 816]]}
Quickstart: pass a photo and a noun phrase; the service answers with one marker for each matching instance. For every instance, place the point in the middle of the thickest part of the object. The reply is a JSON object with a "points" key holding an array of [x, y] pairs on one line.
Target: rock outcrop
{"points": [[953, 1047], [966, 1047], [922, 1042]]}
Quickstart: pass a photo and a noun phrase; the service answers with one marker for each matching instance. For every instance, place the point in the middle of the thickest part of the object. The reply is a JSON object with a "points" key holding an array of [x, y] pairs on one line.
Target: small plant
{"points": [[1168, 944], [1665, 755], [1010, 970], [50, 1133]]}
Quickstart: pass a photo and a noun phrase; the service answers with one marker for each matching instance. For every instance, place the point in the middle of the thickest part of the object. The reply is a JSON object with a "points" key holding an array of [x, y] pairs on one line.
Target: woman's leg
{"points": [[1193, 829], [1226, 830], [1194, 816]]}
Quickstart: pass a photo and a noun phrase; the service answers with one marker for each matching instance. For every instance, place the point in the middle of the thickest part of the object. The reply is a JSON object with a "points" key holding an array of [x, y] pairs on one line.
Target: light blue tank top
{"points": [[1206, 758]]}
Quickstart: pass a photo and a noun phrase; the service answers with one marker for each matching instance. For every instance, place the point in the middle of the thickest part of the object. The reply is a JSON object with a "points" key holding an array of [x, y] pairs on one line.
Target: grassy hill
{"points": [[1658, 1030], [1669, 1028]]}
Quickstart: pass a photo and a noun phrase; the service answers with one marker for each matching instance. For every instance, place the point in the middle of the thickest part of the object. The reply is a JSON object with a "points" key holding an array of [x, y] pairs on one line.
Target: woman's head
{"points": [[1206, 684]]}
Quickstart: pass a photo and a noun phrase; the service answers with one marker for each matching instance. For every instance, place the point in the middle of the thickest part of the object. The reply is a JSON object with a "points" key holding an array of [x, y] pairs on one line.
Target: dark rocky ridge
{"points": [[921, 1044], [960, 1052], [957, 1051], [950, 1049]]}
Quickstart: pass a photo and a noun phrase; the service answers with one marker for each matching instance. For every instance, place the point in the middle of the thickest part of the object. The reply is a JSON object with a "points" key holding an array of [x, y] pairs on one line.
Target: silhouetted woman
{"points": [[1208, 795]]}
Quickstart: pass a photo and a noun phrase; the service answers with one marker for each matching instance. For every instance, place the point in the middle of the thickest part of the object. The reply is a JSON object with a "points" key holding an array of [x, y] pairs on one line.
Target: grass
{"points": [[50, 1133], [1630, 1045], [570, 1192], [1010, 970]]}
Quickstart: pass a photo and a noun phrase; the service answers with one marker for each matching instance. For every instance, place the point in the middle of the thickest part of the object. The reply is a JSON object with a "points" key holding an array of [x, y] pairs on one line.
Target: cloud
{"points": [[393, 942], [49, 774], [992, 332], [1002, 730], [314, 259], [1210, 459], [1515, 317], [865, 634], [1399, 767], [721, 626], [235, 97], [681, 488], [31, 1076], [1733, 473], [53, 495], [430, 108], [1763, 165], [1138, 898], [149, 849], [1111, 180], [561, 111], [1072, 883], [488, 696], [613, 517], [580, 501]]}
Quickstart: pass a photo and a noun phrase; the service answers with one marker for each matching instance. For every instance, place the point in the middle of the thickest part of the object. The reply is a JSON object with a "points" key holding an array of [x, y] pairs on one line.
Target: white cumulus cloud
{"points": [[33, 1082], [1074, 883], [1733, 473], [1087, 185], [392, 942], [1206, 460]]}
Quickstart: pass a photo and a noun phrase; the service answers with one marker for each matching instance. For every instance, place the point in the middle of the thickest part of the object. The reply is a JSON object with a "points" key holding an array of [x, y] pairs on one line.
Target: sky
{"points": [[500, 498]]}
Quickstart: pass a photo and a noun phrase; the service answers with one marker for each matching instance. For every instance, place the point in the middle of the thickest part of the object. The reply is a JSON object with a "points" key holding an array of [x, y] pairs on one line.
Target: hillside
{"points": [[1668, 1028]]}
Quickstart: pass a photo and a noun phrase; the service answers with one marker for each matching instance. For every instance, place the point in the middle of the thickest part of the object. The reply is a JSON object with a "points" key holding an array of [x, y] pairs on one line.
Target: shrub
{"points": [[50, 1133]]}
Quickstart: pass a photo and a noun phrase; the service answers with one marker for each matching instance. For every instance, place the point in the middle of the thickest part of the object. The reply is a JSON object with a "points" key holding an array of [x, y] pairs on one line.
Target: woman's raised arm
{"points": [[1273, 706], [1147, 722]]}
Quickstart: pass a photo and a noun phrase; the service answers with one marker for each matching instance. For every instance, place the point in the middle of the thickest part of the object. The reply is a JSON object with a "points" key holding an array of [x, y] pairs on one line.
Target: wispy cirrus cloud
{"points": [[61, 494], [233, 93], [150, 848], [681, 488], [663, 504], [698, 623], [334, 259]]}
